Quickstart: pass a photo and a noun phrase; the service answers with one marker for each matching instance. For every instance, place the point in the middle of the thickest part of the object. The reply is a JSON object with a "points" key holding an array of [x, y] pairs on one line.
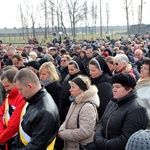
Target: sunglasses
{"points": [[111, 62], [63, 60]]}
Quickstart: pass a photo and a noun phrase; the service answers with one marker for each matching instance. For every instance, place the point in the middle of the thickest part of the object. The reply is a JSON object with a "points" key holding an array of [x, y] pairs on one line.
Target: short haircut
{"points": [[51, 70], [9, 67], [139, 51], [147, 62], [17, 56], [9, 75], [25, 76]]}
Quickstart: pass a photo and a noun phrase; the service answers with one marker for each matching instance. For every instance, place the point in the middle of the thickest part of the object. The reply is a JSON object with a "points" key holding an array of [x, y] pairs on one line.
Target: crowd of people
{"points": [[75, 95]]}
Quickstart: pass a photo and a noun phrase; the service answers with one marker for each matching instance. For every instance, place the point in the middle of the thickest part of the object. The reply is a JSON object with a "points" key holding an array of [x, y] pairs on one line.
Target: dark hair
{"points": [[17, 56], [9, 75], [147, 62], [127, 88]]}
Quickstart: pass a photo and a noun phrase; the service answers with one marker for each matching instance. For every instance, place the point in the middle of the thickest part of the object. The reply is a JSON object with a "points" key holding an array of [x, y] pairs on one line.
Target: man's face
{"points": [[25, 90], [53, 52], [7, 85], [10, 54], [17, 63]]}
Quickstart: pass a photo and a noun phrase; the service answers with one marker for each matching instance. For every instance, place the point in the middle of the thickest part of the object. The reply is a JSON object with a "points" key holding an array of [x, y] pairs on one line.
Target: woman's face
{"points": [[119, 91], [111, 66], [72, 69], [94, 71], [118, 65], [64, 62], [44, 74], [145, 71], [75, 90]]}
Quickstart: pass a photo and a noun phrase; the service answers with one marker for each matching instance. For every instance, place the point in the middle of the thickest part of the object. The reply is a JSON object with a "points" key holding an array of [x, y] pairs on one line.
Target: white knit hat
{"points": [[33, 53], [140, 140]]}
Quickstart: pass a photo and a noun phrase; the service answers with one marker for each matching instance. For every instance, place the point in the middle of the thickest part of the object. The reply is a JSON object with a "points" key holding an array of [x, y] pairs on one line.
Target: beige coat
{"points": [[72, 135]]}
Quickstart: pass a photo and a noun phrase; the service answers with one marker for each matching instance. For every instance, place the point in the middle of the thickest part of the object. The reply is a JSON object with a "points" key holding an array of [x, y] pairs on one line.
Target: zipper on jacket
{"points": [[116, 106]]}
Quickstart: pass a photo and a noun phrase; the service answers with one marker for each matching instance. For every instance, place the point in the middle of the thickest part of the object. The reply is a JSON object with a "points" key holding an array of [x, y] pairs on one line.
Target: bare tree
{"points": [[46, 19], [76, 13], [86, 16], [140, 14], [33, 14], [23, 17], [127, 4], [107, 15], [100, 12]]}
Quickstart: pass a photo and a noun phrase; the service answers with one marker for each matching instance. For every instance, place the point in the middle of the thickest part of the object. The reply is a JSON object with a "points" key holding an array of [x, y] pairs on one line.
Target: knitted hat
{"points": [[140, 140], [124, 79], [33, 53]]}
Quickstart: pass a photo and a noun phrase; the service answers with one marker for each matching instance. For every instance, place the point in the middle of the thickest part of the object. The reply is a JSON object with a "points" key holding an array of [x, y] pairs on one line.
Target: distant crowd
{"points": [[75, 94]]}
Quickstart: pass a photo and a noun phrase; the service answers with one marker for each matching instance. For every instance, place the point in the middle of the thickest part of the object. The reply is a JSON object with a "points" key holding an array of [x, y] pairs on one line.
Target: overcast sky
{"points": [[8, 13]]}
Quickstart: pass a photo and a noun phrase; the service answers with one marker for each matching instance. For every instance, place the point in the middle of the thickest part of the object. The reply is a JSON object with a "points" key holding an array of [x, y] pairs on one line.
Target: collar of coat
{"points": [[89, 95]]}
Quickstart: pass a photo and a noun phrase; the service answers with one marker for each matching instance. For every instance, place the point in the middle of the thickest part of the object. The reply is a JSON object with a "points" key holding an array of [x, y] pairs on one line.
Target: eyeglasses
{"points": [[63, 60], [15, 63], [142, 67]]}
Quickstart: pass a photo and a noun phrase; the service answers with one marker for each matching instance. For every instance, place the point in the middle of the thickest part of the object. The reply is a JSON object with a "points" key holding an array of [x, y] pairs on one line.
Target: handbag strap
{"points": [[80, 110]]}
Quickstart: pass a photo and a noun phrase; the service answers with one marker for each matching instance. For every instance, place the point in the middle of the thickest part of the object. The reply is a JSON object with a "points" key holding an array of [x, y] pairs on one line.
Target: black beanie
{"points": [[80, 83], [124, 79]]}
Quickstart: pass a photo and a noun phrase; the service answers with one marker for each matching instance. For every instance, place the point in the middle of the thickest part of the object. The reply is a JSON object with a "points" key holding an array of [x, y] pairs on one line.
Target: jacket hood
{"points": [[89, 95]]}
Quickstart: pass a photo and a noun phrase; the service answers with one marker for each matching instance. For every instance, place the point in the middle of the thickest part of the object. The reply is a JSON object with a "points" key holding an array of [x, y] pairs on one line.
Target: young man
{"points": [[40, 118]]}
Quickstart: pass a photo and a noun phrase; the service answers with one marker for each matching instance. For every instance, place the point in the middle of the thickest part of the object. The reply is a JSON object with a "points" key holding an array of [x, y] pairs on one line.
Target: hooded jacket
{"points": [[70, 133]]}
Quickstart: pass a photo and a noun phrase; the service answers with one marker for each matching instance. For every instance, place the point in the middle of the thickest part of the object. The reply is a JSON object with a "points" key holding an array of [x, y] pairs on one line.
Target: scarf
{"points": [[143, 82]]}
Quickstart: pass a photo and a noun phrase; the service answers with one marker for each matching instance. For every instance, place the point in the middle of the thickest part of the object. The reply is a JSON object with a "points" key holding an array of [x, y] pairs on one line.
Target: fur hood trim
{"points": [[89, 95]]}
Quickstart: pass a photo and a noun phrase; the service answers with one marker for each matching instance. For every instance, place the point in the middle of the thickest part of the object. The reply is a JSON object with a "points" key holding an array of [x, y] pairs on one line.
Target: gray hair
{"points": [[122, 58]]}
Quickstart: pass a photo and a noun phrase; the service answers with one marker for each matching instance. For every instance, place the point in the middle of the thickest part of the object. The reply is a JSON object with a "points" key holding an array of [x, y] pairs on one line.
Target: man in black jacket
{"points": [[39, 121]]}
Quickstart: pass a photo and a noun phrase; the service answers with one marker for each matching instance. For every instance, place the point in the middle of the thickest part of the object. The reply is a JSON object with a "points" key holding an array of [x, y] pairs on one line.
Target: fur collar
{"points": [[143, 82], [89, 95]]}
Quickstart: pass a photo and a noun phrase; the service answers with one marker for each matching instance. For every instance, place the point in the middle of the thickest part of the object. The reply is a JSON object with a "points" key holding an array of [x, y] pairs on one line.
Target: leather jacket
{"points": [[40, 122]]}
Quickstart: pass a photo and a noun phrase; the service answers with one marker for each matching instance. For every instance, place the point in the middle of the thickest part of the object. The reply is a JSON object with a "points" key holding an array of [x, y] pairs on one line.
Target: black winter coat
{"points": [[104, 86], [120, 120], [40, 122], [54, 89], [63, 73]]}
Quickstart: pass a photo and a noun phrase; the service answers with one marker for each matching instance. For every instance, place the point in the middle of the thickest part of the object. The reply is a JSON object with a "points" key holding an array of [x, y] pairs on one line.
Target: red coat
{"points": [[16, 103]]}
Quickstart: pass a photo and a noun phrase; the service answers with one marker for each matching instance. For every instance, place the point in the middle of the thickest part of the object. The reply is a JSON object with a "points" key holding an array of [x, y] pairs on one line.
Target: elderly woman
{"points": [[122, 64], [80, 121], [143, 86], [123, 115]]}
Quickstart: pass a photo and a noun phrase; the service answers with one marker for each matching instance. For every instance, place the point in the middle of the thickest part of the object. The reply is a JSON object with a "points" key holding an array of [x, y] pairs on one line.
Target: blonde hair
{"points": [[109, 59], [67, 57], [51, 70]]}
